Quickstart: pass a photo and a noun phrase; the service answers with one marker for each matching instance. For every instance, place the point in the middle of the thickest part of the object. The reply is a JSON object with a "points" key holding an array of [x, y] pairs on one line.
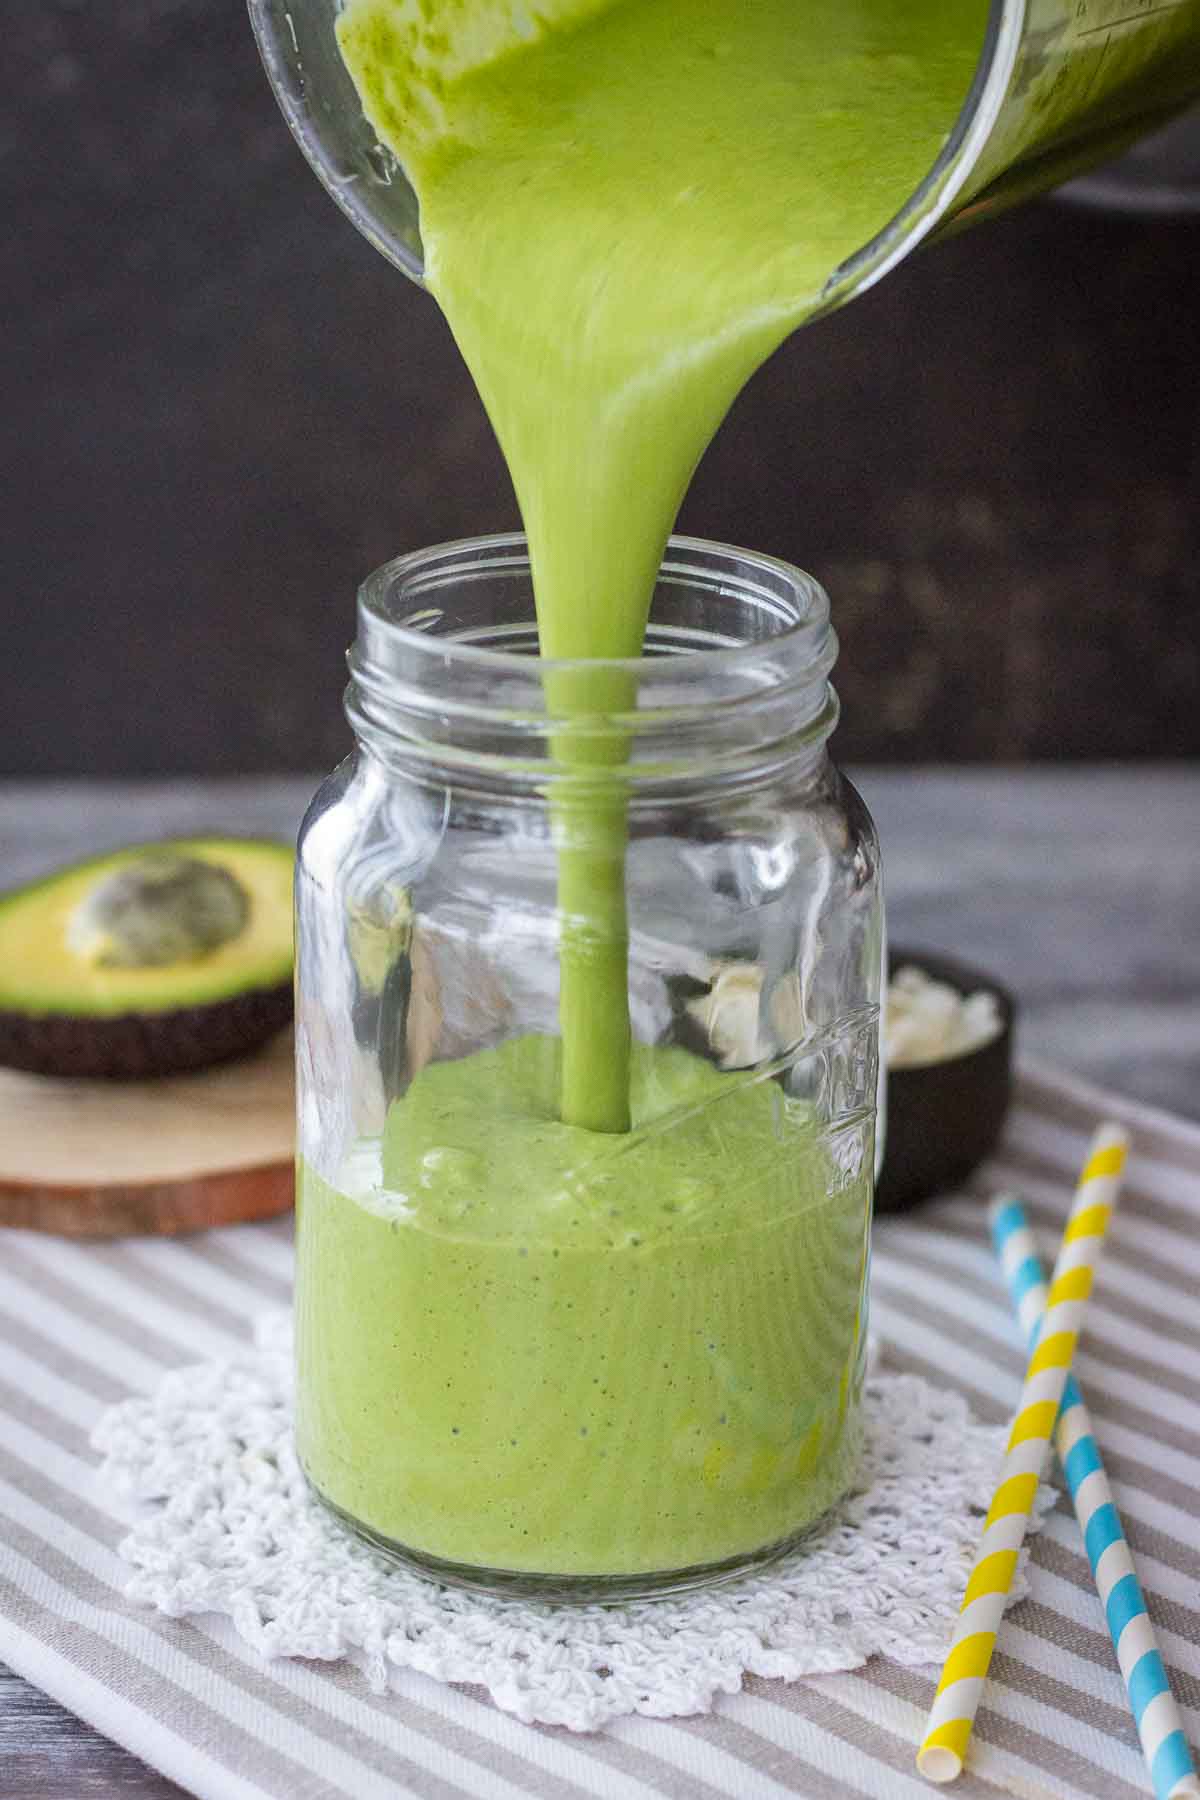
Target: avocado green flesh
{"points": [[44, 975], [531, 1347]]}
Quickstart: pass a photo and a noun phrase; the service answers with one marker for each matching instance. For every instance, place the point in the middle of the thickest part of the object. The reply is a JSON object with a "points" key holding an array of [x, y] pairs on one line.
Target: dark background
{"points": [[222, 409]]}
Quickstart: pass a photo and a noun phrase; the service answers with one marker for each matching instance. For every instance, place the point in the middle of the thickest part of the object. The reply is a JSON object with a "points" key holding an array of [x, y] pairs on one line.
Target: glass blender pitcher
{"points": [[1061, 86]]}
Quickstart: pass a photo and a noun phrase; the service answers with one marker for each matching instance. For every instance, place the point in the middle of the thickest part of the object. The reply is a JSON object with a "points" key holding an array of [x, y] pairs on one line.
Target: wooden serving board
{"points": [[109, 1158]]}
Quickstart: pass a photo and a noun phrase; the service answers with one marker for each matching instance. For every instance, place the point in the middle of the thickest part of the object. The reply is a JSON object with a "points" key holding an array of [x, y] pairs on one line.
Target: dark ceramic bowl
{"points": [[943, 1118]]}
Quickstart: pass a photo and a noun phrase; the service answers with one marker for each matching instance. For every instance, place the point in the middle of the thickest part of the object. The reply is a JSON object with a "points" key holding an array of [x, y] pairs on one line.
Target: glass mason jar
{"points": [[588, 978]]}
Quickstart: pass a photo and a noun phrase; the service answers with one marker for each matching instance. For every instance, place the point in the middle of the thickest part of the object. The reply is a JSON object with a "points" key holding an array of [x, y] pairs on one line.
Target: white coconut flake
{"points": [[929, 1021]]}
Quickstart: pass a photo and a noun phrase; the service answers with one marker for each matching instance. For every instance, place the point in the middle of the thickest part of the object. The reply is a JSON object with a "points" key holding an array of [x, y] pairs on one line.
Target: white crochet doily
{"points": [[234, 1531]]}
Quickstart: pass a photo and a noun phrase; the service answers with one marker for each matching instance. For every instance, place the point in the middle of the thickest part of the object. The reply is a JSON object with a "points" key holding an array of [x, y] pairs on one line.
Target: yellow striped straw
{"points": [[952, 1715]]}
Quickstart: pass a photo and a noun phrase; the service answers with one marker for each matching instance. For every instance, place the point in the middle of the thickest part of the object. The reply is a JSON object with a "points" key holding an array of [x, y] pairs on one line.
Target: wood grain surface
{"points": [[48, 1754], [105, 1158]]}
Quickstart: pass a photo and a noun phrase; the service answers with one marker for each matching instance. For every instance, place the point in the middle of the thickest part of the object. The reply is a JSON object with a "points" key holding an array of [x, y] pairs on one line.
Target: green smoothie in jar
{"points": [[546, 1349], [596, 1307]]}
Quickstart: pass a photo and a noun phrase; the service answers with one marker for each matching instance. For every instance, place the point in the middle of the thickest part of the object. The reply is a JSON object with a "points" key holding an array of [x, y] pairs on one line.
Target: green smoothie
{"points": [[540, 1348], [596, 1308], [624, 209]]}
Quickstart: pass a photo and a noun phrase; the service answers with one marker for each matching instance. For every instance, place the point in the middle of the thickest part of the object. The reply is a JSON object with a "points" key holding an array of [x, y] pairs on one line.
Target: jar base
{"points": [[565, 1590]]}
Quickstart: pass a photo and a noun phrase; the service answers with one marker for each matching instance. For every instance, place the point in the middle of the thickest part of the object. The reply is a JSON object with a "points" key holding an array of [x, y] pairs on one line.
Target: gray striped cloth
{"points": [[83, 1325]]}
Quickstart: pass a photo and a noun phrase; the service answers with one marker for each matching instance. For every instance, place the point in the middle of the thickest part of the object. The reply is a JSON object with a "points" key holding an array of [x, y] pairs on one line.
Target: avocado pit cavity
{"points": [[162, 909]]}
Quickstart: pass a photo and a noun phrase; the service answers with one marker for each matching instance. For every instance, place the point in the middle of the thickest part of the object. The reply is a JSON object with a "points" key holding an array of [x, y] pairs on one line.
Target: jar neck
{"points": [[734, 678]]}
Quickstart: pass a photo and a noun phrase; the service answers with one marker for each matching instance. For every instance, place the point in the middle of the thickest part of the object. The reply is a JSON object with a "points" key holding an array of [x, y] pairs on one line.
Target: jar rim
{"points": [[805, 639], [737, 658]]}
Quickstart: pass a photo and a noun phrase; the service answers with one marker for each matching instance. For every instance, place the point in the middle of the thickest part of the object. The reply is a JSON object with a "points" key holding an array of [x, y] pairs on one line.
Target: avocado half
{"points": [[148, 960]]}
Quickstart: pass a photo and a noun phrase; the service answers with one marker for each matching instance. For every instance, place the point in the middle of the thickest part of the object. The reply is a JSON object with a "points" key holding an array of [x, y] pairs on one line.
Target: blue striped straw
{"points": [[1155, 1713]]}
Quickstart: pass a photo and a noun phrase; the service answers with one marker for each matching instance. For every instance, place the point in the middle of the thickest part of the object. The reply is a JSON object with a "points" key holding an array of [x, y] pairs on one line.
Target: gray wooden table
{"points": [[1077, 887]]}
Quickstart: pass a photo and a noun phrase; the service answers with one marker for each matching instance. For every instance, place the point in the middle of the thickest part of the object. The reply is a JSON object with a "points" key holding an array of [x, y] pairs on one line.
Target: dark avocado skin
{"points": [[134, 1046]]}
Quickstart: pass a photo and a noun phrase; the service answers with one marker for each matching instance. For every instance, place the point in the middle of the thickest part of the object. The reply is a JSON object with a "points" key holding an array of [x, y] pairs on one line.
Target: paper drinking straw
{"points": [[948, 1729], [1155, 1713]]}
